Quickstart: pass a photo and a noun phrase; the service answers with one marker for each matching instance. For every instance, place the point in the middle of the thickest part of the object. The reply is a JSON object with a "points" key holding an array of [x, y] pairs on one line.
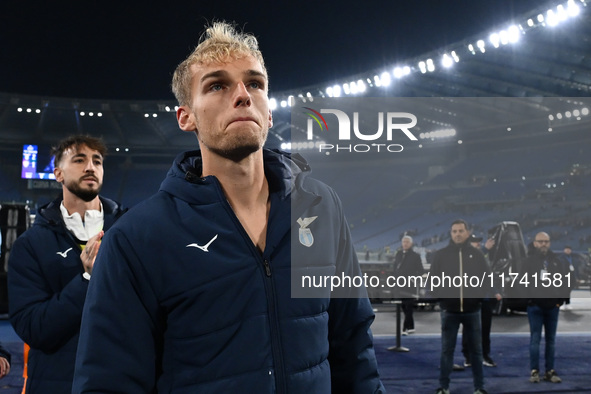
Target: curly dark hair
{"points": [[94, 143]]}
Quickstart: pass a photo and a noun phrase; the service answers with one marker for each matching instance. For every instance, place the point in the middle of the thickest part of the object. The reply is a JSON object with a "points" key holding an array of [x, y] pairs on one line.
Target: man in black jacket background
{"points": [[459, 266], [546, 284]]}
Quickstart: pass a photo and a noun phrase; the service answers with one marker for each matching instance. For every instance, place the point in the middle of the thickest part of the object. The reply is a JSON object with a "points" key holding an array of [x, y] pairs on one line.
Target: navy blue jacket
{"points": [[46, 294], [181, 301]]}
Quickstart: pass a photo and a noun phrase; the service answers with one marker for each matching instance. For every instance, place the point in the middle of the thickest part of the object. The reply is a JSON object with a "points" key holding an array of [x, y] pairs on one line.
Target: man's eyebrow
{"points": [[214, 74], [255, 73], [83, 155], [223, 73]]}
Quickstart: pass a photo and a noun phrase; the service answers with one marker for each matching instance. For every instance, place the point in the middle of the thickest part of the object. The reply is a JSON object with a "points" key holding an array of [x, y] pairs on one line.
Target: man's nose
{"points": [[242, 97], [90, 167]]}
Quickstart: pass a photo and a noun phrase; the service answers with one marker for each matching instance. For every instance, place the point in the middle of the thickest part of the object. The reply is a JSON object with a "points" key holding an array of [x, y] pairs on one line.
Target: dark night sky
{"points": [[129, 49]]}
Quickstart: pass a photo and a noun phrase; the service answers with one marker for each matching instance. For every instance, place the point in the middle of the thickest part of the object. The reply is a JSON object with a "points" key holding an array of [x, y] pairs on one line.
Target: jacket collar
{"points": [[283, 171], [50, 213]]}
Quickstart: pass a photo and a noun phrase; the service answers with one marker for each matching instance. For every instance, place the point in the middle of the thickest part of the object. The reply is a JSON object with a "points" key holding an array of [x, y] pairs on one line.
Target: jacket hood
{"points": [[283, 171], [50, 214]]}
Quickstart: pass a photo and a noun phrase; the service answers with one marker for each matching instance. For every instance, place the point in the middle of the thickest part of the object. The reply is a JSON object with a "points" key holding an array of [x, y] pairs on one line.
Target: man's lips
{"points": [[243, 119], [91, 179]]}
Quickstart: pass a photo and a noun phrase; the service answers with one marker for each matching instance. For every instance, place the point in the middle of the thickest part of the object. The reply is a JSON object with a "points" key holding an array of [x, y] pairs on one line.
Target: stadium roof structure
{"points": [[547, 53]]}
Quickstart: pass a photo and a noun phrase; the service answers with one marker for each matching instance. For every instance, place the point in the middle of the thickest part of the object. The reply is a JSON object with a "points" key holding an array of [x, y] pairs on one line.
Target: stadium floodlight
{"points": [[329, 91], [385, 78], [91, 114], [585, 111], [494, 39], [576, 112], [455, 56], [561, 14], [423, 67], [550, 117], [481, 45], [37, 111], [336, 91], [100, 114], [530, 22], [430, 65], [361, 86], [540, 18], [559, 116], [400, 72], [272, 103], [353, 87], [444, 133], [446, 61], [346, 88], [568, 114], [377, 80], [551, 18], [283, 104], [290, 100], [504, 37], [513, 34], [572, 9]]}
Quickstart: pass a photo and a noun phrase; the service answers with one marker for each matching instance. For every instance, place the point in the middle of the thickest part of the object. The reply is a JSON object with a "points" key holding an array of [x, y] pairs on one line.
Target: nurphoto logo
{"points": [[389, 124]]}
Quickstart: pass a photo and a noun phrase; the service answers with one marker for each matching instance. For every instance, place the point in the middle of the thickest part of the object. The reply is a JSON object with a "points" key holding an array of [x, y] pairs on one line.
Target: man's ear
{"points": [[185, 119], [270, 118], [58, 174]]}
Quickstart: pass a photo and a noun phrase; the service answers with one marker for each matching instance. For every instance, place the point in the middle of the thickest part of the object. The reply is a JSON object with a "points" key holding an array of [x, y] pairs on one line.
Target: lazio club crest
{"points": [[306, 237]]}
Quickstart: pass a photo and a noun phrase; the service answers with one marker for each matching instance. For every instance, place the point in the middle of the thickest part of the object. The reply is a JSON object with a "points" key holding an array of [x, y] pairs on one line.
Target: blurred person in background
{"points": [[407, 263], [544, 303]]}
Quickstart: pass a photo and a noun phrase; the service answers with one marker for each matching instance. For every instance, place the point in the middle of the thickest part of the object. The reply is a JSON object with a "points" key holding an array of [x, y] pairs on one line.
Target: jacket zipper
{"points": [[280, 381], [267, 267]]}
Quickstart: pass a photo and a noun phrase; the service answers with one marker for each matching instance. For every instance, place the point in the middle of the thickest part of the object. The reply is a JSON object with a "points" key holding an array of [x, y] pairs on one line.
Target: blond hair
{"points": [[219, 42]]}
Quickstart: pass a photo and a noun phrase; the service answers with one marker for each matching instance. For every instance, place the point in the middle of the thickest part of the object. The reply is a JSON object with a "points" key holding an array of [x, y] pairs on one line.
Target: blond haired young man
{"points": [[195, 294]]}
